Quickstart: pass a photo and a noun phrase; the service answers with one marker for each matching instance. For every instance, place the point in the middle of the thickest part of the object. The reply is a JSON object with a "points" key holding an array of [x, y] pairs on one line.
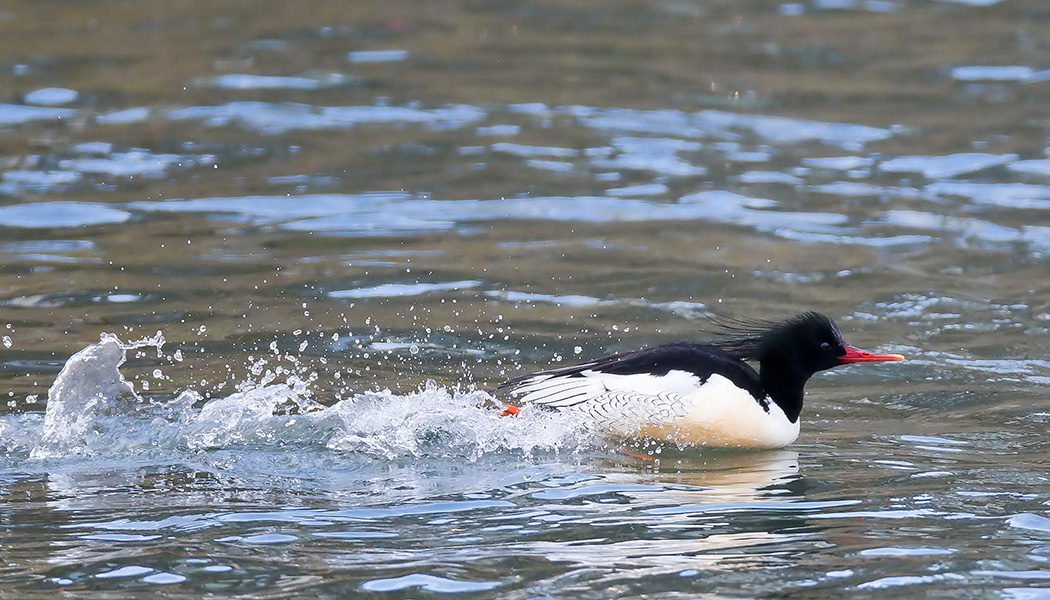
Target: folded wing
{"points": [[664, 373]]}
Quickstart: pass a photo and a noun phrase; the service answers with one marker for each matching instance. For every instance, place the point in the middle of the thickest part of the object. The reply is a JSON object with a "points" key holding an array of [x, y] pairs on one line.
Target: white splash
{"points": [[88, 390], [93, 411]]}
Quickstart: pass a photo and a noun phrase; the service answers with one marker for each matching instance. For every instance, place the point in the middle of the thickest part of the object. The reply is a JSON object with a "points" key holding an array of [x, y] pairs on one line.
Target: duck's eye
{"points": [[825, 346]]}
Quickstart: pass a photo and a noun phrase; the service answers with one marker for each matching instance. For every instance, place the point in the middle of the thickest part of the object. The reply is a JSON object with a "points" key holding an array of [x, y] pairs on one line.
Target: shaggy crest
{"points": [[752, 339]]}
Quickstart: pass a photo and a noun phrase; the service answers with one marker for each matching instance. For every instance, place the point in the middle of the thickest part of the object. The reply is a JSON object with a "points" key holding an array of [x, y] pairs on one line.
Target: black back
{"points": [[702, 360]]}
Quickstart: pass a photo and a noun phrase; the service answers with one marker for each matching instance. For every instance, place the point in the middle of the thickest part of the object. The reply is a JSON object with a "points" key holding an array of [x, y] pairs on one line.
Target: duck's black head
{"points": [[791, 351], [809, 342]]}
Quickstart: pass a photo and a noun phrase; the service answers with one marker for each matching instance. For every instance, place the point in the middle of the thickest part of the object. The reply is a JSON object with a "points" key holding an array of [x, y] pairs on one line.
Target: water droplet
{"points": [[413, 349], [577, 350], [7, 341]]}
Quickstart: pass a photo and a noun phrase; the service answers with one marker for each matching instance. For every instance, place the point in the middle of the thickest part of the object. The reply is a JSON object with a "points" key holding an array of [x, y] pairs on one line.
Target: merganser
{"points": [[701, 394]]}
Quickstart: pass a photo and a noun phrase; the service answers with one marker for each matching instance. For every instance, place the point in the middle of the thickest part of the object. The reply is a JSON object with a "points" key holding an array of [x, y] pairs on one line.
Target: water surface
{"points": [[261, 269]]}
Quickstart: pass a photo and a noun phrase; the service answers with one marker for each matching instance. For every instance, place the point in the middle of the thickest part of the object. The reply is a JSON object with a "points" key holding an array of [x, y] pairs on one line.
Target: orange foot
{"points": [[510, 411], [644, 457]]}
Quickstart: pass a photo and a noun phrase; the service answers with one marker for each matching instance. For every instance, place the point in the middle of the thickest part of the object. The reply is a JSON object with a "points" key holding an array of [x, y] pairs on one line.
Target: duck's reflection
{"points": [[717, 475]]}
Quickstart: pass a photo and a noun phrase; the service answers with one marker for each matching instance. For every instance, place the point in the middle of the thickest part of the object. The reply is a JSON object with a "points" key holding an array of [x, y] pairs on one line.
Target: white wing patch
{"points": [[561, 391], [558, 392]]}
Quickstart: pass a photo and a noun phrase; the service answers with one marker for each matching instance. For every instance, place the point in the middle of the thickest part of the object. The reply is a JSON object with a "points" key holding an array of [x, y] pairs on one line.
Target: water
{"points": [[262, 268]]}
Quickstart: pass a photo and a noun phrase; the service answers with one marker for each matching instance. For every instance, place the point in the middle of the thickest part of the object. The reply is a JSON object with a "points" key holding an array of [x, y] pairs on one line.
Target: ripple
{"points": [[128, 571], [399, 290], [951, 165], [574, 301], [786, 130], [723, 125], [235, 81], [926, 439], [655, 155], [839, 163], [356, 535], [891, 514], [1031, 167], [74, 299], [1026, 594], [1029, 521], [51, 96], [769, 177], [135, 163], [428, 583], [418, 509], [908, 580], [898, 552], [276, 209], [262, 539], [45, 215], [119, 537], [36, 181], [532, 151], [17, 114], [992, 73], [124, 117], [556, 166], [1030, 574], [974, 2], [849, 188], [963, 227], [593, 490], [795, 506], [1007, 195], [163, 578], [280, 118], [371, 56]]}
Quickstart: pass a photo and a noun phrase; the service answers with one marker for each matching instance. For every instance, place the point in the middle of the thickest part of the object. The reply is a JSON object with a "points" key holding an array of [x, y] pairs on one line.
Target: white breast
{"points": [[722, 415]]}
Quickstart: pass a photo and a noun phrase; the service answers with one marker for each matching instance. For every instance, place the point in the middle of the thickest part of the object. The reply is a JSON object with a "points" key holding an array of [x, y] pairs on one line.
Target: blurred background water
{"points": [[314, 237]]}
